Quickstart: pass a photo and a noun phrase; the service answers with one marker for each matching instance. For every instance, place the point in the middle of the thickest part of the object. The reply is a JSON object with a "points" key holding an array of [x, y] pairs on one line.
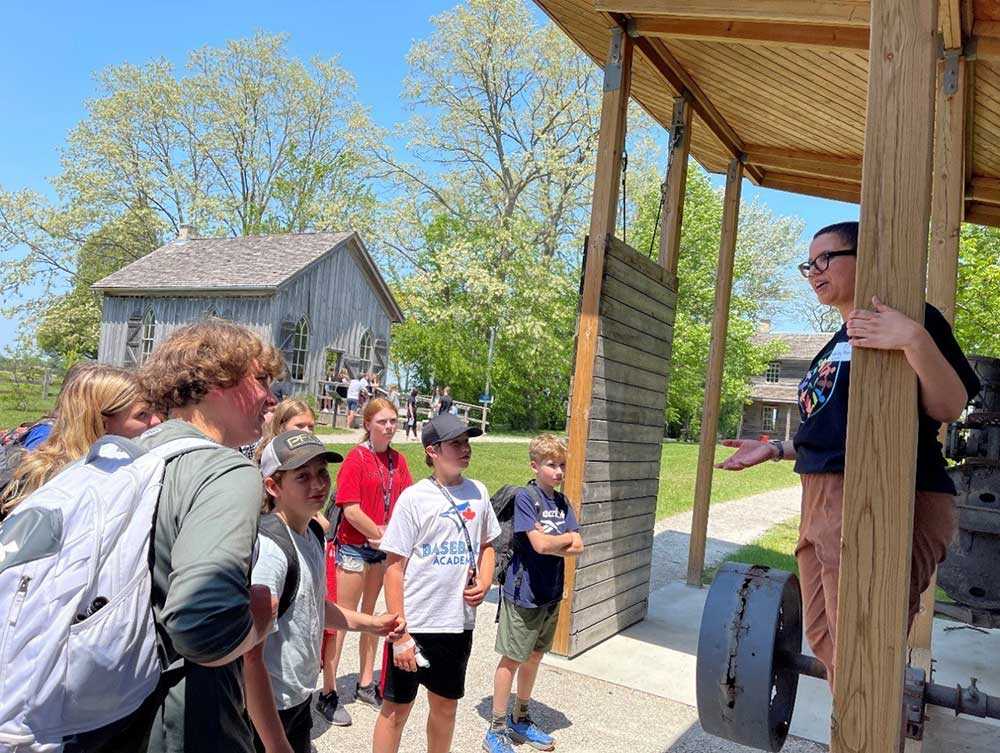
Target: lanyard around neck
{"points": [[386, 484], [461, 520]]}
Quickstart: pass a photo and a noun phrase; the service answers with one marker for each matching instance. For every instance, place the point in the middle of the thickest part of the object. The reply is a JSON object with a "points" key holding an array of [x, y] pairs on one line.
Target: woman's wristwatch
{"points": [[781, 450]]}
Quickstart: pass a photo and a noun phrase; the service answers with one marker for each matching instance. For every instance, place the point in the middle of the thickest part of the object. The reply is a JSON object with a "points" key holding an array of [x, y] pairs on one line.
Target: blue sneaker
{"points": [[526, 731], [496, 741]]}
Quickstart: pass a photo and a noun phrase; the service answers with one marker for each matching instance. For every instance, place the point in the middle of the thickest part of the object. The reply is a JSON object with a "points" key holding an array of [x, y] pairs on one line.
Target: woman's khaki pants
{"points": [[818, 555]]}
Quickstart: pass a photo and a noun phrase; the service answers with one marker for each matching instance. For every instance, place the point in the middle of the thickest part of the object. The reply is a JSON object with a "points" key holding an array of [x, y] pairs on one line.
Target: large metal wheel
{"points": [[750, 630]]}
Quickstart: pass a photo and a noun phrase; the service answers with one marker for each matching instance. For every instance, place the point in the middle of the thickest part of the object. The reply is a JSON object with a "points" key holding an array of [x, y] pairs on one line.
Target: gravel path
{"points": [[585, 714], [730, 526]]}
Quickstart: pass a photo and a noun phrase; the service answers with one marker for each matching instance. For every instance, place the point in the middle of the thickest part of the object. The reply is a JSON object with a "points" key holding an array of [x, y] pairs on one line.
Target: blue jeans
{"points": [[354, 559]]}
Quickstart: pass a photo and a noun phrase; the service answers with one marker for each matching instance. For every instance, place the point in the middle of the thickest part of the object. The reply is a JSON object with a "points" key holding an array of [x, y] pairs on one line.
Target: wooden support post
{"points": [[713, 382], [882, 413], [947, 200], [610, 146], [673, 188]]}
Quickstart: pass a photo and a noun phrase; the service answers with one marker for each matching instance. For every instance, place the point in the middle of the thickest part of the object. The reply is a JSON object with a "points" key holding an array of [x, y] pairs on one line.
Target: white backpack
{"points": [[78, 646]]}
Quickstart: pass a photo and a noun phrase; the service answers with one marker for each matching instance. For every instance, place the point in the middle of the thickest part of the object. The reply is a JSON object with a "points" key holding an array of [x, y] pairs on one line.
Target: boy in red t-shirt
{"points": [[369, 482]]}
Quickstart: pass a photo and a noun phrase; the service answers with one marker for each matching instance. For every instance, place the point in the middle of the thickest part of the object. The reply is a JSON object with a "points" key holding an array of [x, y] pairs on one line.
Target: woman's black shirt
{"points": [[820, 442]]}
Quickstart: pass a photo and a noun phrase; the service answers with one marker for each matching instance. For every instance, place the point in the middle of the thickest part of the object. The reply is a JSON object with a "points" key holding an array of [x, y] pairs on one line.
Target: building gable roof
{"points": [[801, 346], [248, 264]]}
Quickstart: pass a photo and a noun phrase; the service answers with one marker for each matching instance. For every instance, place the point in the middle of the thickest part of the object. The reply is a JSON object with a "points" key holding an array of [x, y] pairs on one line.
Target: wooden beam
{"points": [[947, 195], [982, 214], [950, 21], [807, 163], [610, 145], [822, 187], [814, 36], [713, 380], [984, 190], [673, 193], [947, 201], [842, 12], [684, 84], [882, 410]]}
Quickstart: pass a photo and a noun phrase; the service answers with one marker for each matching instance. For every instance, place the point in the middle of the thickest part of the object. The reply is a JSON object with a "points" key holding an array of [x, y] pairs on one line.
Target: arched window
{"points": [[148, 333], [299, 351], [366, 352]]}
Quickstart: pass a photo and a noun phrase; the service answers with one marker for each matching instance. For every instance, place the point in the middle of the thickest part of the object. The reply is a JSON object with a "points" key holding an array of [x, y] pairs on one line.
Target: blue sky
{"points": [[51, 51]]}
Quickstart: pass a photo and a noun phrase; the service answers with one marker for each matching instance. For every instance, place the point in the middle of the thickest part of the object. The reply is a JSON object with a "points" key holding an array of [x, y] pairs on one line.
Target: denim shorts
{"points": [[352, 404], [354, 559]]}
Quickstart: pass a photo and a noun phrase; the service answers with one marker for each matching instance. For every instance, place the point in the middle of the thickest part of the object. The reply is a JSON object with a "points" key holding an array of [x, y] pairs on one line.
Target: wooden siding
{"points": [[337, 297], [172, 312], [622, 466]]}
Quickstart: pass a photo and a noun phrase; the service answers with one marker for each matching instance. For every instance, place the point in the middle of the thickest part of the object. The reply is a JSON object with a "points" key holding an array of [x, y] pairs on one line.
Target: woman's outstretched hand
{"points": [[749, 453]]}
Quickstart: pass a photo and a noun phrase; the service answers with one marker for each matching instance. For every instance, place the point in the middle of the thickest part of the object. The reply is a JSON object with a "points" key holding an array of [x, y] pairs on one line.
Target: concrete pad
{"points": [[658, 656]]}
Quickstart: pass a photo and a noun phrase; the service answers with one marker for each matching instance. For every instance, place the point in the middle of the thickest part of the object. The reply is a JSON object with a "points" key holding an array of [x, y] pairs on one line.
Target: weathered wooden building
{"points": [[317, 296], [774, 398]]}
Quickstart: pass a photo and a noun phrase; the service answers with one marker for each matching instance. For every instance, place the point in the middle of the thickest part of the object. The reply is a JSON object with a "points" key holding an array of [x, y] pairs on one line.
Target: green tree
{"points": [[765, 247], [977, 304], [246, 140]]}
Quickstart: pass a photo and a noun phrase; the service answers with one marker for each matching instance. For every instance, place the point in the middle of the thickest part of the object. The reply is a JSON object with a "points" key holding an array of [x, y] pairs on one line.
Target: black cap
{"points": [[293, 449], [445, 426]]}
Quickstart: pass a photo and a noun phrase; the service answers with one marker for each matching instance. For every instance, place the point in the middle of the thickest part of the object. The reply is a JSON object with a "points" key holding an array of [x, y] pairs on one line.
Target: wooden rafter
{"points": [[984, 190], [813, 186], [752, 32], [842, 12], [807, 163], [684, 84]]}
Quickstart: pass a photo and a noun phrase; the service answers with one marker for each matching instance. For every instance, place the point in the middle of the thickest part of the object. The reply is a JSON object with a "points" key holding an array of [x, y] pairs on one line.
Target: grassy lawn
{"points": [[507, 463], [13, 411]]}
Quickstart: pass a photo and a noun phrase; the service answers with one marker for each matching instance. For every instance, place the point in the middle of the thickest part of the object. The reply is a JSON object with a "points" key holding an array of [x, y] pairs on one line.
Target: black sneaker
{"points": [[369, 695], [328, 704]]}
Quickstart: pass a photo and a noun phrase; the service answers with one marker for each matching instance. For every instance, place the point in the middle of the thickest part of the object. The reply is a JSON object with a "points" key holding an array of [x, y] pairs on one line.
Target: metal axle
{"points": [[968, 700]]}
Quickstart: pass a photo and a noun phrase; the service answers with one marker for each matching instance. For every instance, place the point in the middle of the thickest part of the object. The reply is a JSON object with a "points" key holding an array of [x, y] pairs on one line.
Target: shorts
{"points": [[524, 630], [354, 559], [352, 403], [297, 723], [448, 655]]}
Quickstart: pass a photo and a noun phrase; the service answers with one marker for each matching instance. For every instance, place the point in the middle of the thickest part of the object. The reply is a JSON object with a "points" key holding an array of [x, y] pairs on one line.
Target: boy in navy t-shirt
{"points": [[545, 532]]}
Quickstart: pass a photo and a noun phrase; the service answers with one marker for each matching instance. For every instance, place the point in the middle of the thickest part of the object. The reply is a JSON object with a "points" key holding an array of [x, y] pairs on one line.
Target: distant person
{"points": [[281, 671], [411, 413], [440, 566], [369, 482], [393, 397], [946, 384], [435, 401], [446, 403], [545, 532], [214, 379], [98, 400], [354, 389]]}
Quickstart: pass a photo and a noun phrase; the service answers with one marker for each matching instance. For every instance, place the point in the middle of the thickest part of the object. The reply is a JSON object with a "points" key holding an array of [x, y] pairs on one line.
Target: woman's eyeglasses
{"points": [[822, 262]]}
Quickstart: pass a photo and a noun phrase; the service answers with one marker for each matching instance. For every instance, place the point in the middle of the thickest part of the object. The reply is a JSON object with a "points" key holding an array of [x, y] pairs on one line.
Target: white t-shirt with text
{"points": [[427, 529]]}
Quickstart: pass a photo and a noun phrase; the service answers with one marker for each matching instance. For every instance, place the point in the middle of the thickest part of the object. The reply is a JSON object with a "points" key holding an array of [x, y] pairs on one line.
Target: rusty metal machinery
{"points": [[971, 573], [749, 662]]}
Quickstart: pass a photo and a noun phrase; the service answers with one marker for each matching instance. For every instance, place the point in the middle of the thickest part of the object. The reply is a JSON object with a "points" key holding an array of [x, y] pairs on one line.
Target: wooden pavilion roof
{"points": [[783, 83]]}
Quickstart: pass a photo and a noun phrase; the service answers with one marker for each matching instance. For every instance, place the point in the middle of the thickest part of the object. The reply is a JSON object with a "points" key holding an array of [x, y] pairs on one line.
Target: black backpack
{"points": [[503, 506], [273, 527]]}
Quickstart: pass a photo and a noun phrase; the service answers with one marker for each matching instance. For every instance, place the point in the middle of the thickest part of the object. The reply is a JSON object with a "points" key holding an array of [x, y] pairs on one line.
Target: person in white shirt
{"points": [[440, 566], [354, 388]]}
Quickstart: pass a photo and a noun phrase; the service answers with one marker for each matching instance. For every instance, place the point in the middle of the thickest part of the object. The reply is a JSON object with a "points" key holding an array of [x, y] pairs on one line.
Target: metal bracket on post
{"points": [[949, 79], [613, 68]]}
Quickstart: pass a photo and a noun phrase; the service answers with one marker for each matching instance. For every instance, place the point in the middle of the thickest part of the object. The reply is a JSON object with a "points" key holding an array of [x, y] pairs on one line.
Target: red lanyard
{"points": [[386, 484]]}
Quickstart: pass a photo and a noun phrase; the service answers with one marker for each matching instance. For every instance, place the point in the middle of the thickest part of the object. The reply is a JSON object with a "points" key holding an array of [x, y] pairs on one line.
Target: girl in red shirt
{"points": [[369, 482]]}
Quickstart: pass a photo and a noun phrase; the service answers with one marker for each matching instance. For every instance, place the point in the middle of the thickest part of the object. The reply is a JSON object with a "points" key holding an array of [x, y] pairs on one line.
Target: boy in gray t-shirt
{"points": [[281, 673]]}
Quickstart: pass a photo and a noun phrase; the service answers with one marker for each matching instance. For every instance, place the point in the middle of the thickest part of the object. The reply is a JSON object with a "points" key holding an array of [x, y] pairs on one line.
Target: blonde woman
{"points": [[99, 400], [287, 415]]}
